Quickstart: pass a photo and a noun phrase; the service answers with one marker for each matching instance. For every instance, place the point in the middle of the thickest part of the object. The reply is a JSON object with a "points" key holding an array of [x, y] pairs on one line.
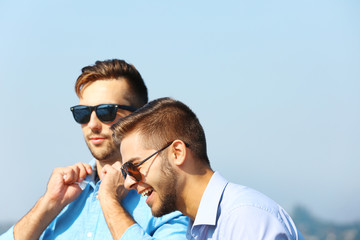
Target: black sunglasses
{"points": [[132, 170], [105, 112]]}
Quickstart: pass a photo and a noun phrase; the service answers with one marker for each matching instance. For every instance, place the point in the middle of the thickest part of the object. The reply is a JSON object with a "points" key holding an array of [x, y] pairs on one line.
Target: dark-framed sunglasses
{"points": [[105, 112], [132, 170]]}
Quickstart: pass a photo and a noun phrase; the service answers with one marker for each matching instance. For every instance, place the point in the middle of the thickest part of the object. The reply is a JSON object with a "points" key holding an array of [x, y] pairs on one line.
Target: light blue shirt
{"points": [[84, 219], [231, 211]]}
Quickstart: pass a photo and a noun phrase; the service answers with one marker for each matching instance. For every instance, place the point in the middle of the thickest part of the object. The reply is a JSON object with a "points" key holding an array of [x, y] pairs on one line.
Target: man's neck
{"points": [[193, 191]]}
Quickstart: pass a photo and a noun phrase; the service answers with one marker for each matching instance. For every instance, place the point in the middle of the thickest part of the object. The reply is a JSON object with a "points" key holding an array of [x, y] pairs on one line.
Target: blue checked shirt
{"points": [[84, 219]]}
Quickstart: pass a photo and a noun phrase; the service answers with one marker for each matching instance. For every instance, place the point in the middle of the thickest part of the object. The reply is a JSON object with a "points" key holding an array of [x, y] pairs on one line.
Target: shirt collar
{"points": [[92, 178], [210, 200]]}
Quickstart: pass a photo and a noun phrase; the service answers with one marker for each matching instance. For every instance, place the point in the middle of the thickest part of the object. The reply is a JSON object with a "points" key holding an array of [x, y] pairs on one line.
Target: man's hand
{"points": [[112, 183], [111, 193], [61, 188]]}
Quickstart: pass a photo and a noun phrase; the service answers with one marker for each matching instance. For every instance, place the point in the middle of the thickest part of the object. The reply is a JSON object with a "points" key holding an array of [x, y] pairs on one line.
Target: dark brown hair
{"points": [[161, 121], [115, 69]]}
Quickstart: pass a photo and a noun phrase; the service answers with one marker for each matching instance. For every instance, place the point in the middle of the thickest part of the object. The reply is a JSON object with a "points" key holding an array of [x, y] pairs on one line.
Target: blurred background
{"points": [[275, 84]]}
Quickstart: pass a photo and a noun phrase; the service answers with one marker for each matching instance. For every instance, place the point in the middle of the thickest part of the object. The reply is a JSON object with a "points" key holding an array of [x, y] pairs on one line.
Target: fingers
{"points": [[76, 172], [104, 171], [117, 165], [113, 169], [112, 185]]}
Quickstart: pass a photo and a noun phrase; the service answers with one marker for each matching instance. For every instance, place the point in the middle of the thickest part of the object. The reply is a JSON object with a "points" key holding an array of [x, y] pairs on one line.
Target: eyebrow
{"points": [[132, 160]]}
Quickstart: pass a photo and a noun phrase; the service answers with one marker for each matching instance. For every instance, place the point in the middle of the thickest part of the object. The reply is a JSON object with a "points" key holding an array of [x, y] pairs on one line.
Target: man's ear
{"points": [[178, 152]]}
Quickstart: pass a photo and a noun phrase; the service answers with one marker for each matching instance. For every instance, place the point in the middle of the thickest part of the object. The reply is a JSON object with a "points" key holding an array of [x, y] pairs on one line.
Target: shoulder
{"points": [[249, 213], [237, 195]]}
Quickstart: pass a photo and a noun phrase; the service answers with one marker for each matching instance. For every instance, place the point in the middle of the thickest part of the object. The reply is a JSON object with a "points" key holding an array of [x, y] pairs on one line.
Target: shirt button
{"points": [[89, 234]]}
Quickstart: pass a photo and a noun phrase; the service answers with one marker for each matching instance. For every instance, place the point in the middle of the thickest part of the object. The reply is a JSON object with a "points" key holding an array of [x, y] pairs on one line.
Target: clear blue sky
{"points": [[276, 85]]}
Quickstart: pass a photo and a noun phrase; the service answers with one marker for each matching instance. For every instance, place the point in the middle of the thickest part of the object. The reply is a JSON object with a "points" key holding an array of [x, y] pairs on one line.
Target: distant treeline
{"points": [[315, 229]]}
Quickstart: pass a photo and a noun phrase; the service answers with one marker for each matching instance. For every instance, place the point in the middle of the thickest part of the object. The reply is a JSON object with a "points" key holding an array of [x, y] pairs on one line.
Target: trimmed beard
{"points": [[108, 153], [169, 197]]}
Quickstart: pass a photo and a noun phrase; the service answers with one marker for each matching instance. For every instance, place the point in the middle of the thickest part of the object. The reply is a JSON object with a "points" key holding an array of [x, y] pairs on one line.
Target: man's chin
{"points": [[161, 212], [103, 153], [101, 156], [158, 214]]}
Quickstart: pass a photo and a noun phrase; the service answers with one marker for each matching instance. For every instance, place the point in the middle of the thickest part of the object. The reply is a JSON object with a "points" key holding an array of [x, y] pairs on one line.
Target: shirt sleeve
{"points": [[249, 222], [174, 227], [8, 235]]}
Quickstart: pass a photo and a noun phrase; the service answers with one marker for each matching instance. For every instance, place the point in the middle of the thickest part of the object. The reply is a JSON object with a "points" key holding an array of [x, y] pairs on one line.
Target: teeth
{"points": [[146, 192]]}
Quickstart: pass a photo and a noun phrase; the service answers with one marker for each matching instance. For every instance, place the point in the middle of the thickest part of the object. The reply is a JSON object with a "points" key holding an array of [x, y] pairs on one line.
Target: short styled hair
{"points": [[161, 121], [115, 69]]}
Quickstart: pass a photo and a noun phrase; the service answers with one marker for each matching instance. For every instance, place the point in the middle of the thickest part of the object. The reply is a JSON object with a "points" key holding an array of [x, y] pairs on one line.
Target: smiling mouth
{"points": [[146, 192]]}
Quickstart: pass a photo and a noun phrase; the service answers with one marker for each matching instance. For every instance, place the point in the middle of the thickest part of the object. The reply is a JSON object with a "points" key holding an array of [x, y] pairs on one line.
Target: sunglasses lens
{"points": [[123, 171], [106, 113], [81, 114], [132, 171]]}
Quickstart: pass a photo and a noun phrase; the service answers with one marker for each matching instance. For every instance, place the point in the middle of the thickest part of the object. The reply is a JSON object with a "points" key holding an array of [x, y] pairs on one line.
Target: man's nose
{"points": [[94, 123], [130, 182]]}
